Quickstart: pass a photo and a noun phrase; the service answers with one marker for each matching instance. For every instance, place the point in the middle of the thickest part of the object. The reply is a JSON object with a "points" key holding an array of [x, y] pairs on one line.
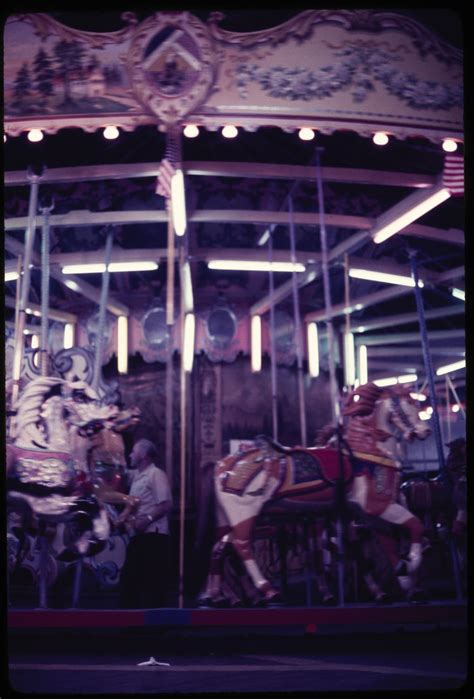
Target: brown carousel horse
{"points": [[269, 475], [441, 501], [100, 458]]}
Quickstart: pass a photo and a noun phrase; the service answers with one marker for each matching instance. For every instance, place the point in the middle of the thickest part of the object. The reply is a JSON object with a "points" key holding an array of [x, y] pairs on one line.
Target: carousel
{"points": [[244, 243]]}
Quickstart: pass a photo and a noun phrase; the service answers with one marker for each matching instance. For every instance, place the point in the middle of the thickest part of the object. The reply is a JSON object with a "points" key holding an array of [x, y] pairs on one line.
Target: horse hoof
{"points": [[272, 598], [329, 600], [383, 598], [417, 596]]}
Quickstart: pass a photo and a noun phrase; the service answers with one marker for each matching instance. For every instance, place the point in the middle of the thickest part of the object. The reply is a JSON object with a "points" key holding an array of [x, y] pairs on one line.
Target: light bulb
{"points": [[35, 135], [229, 131], [111, 132], [380, 138]]}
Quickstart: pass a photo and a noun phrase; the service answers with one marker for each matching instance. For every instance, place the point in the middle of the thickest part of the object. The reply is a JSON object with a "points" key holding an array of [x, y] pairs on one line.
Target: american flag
{"points": [[453, 174], [167, 166], [165, 174]]}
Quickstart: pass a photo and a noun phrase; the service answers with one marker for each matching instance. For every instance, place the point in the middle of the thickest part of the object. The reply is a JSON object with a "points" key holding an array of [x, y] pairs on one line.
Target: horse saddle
{"points": [[297, 466]]}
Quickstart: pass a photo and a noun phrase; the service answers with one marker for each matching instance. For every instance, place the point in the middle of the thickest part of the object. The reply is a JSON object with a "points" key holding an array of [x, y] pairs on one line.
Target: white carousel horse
{"points": [[269, 475], [41, 471]]}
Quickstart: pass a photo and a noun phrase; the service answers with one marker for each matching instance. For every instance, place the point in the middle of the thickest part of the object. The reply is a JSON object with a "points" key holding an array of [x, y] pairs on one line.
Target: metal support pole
{"points": [[77, 583], [102, 312], [44, 368], [427, 361], [43, 566], [25, 285], [182, 475], [336, 412], [297, 317], [272, 345], [436, 425], [327, 295]]}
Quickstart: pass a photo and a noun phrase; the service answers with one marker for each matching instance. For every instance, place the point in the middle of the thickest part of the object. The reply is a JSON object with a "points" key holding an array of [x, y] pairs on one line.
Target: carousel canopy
{"points": [[306, 93]]}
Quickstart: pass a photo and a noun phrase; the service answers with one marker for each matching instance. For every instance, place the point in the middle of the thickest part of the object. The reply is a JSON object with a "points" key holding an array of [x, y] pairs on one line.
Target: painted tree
{"points": [[69, 56], [22, 85], [43, 73]]}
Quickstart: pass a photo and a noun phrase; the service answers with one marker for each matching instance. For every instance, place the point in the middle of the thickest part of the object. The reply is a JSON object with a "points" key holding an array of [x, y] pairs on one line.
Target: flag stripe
{"points": [[453, 174]]}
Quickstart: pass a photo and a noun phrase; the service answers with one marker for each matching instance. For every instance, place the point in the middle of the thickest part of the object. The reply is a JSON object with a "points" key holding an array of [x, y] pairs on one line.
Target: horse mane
{"points": [[361, 401], [29, 406]]}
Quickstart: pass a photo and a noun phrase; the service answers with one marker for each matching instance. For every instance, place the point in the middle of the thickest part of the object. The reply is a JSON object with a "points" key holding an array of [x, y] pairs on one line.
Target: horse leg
{"points": [[407, 571], [241, 539], [325, 592], [212, 592]]}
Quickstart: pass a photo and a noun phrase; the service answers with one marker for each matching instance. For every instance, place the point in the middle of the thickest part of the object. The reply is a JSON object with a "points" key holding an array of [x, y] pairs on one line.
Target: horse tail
{"points": [[205, 528]]}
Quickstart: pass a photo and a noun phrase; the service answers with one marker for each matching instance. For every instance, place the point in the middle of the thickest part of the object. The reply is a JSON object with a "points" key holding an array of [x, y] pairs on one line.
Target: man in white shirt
{"points": [[146, 571]]}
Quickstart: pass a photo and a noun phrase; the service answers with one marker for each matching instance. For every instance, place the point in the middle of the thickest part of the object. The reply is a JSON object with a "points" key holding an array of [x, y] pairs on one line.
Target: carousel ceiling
{"points": [[236, 191]]}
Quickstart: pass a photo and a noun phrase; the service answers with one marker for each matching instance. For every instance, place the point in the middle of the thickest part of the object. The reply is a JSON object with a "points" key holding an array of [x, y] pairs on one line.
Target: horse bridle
{"points": [[397, 408]]}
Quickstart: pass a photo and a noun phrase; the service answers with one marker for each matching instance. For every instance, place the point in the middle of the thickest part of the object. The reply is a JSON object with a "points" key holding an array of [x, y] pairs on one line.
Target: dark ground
{"points": [[242, 660]]}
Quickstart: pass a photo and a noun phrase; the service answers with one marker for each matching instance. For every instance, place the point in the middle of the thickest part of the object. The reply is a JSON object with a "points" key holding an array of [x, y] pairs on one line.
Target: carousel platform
{"points": [[318, 620]]}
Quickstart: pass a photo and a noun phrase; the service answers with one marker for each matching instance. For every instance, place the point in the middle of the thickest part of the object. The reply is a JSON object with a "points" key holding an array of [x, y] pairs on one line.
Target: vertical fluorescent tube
{"points": [[363, 367], [256, 343], [68, 340], [313, 349], [34, 341], [178, 203], [349, 359], [122, 344], [188, 342]]}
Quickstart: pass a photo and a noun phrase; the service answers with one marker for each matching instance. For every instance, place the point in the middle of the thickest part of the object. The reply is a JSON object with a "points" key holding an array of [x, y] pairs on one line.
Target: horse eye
{"points": [[79, 397]]}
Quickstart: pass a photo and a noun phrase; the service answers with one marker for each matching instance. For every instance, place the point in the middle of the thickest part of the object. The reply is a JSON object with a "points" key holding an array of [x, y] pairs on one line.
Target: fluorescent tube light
{"points": [[382, 231], [407, 378], [349, 359], [99, 268], [448, 368], [254, 266], [68, 340], [458, 294], [420, 397], [424, 415], [313, 349], [363, 366], [372, 276], [122, 344], [34, 341], [11, 276], [390, 381], [256, 343], [178, 203], [393, 380], [188, 341], [72, 285]]}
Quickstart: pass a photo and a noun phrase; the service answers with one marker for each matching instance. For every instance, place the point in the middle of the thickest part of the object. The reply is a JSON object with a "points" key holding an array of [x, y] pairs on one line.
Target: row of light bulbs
{"points": [[380, 138]]}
